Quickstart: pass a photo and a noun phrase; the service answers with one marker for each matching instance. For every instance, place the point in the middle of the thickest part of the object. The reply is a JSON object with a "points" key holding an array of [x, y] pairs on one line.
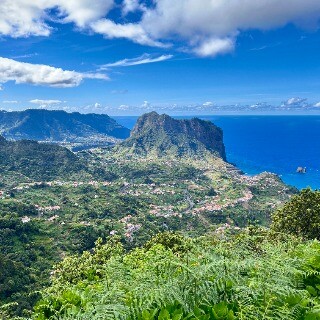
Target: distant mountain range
{"points": [[60, 126], [153, 135], [161, 135]]}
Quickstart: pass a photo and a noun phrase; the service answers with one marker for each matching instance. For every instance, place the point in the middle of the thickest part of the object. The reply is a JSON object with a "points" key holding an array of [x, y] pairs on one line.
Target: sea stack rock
{"points": [[161, 135]]}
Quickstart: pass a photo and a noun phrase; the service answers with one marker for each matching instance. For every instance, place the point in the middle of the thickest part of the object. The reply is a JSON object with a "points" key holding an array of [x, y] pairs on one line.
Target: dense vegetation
{"points": [[133, 198], [162, 135], [252, 275], [300, 216], [28, 251], [55, 204], [37, 161]]}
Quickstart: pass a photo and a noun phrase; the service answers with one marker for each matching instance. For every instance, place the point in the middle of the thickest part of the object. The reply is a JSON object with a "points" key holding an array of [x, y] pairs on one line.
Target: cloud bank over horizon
{"points": [[293, 105]]}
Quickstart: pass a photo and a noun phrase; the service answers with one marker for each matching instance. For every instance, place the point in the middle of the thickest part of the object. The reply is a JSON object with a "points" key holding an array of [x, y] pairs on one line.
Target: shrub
{"points": [[300, 216]]}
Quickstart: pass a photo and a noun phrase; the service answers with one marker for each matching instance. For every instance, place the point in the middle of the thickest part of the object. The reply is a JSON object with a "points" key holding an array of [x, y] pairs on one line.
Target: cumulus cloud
{"points": [[213, 47], [131, 6], [317, 105], [208, 104], [42, 75], [144, 59], [22, 18], [83, 12], [146, 105], [295, 103], [206, 30], [212, 27], [222, 18]]}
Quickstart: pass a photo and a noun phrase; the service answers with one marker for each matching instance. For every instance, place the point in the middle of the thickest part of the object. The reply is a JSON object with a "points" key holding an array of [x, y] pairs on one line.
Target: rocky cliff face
{"points": [[162, 135], [45, 125]]}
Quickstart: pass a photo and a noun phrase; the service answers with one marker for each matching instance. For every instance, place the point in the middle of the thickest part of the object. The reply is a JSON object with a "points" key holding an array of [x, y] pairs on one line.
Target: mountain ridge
{"points": [[60, 126]]}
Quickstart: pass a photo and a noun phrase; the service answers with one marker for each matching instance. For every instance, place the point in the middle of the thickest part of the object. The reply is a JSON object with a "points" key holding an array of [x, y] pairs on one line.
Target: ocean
{"points": [[278, 144]]}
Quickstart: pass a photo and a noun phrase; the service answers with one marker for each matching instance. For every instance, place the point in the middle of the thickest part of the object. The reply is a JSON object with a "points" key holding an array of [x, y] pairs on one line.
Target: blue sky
{"points": [[190, 56]]}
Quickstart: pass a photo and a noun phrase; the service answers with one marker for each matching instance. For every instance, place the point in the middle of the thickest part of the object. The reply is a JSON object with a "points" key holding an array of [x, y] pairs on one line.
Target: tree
{"points": [[300, 216], [176, 242]]}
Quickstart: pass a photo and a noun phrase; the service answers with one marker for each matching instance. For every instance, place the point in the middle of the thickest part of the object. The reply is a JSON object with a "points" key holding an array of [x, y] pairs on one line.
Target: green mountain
{"points": [[170, 175], [60, 126], [162, 135], [39, 161]]}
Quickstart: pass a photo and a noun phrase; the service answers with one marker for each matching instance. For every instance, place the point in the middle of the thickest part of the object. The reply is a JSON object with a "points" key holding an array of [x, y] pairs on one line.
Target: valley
{"points": [[55, 203]]}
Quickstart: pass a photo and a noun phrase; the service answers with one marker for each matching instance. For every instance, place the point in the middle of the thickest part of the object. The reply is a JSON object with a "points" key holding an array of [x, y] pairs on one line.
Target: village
{"points": [[216, 189]]}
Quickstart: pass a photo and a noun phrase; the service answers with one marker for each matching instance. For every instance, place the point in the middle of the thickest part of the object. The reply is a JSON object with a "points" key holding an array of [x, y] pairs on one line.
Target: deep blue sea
{"points": [[277, 144]]}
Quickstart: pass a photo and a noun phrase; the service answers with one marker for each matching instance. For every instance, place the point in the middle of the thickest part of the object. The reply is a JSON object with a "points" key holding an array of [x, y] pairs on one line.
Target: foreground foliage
{"points": [[252, 275], [43, 221], [300, 216]]}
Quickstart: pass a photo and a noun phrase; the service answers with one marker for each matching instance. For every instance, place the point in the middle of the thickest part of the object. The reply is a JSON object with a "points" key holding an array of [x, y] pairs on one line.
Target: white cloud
{"points": [[131, 6], [221, 18], [295, 103], [317, 105], [123, 107], [132, 31], [146, 105], [42, 75], [208, 104], [213, 47], [83, 12], [1, 87], [198, 24], [23, 18], [10, 101], [47, 102], [207, 28], [144, 59]]}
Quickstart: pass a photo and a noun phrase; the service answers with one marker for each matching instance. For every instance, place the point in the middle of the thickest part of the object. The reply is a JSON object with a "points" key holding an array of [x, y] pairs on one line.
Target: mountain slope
{"points": [[101, 192], [162, 135], [37, 160], [45, 125]]}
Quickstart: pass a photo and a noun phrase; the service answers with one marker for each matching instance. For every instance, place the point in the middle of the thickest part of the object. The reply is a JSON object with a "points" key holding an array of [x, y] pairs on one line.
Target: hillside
{"points": [[38, 161], [162, 135], [65, 201], [60, 126]]}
